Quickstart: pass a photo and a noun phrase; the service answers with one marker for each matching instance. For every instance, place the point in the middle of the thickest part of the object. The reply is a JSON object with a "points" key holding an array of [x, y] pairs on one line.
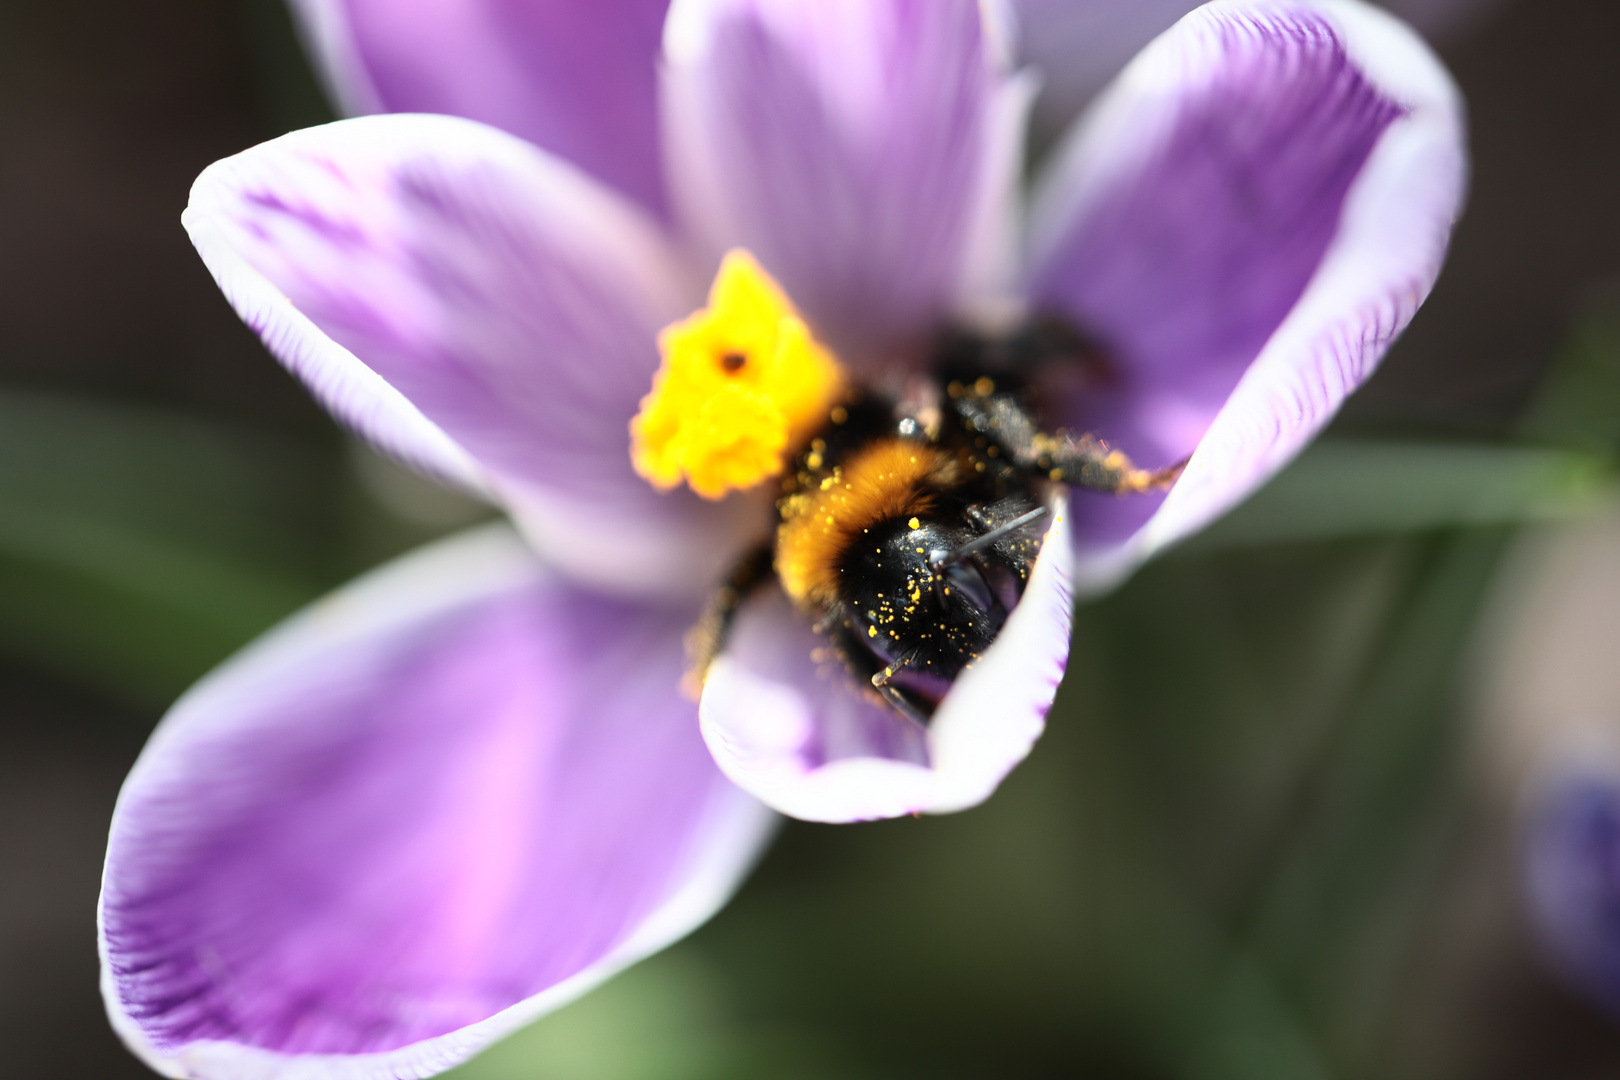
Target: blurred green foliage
{"points": [[140, 547]]}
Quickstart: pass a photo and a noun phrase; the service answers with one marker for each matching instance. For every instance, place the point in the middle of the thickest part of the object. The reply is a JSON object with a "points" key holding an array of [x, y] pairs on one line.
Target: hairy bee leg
{"points": [[1086, 462], [1083, 460], [862, 663], [706, 639], [891, 693], [899, 703]]}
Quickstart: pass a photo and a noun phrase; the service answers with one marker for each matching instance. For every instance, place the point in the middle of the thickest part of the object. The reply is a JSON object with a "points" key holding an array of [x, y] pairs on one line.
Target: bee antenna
{"points": [[978, 543]]}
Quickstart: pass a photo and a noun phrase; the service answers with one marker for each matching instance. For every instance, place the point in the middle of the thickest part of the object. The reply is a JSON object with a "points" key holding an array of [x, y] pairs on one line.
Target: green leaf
{"points": [[667, 1018], [1349, 488], [139, 547], [1578, 403]]}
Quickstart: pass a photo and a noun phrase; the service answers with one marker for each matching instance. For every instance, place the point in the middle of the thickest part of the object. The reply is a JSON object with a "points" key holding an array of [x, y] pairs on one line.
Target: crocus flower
{"points": [[466, 788]]}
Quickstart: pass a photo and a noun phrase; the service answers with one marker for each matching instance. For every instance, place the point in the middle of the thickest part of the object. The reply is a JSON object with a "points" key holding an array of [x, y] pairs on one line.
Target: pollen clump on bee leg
{"points": [[742, 384]]}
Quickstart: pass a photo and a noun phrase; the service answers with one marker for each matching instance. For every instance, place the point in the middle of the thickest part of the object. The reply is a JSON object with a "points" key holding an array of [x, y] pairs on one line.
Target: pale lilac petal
{"points": [[478, 308], [866, 151], [575, 77], [446, 799], [798, 734], [1246, 220]]}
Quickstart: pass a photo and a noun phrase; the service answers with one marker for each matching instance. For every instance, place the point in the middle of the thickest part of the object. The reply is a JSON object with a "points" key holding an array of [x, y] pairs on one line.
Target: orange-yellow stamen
{"points": [[743, 384]]}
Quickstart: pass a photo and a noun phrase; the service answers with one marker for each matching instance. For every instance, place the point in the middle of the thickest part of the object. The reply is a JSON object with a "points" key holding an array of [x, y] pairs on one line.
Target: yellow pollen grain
{"points": [[914, 523], [742, 385], [871, 631]]}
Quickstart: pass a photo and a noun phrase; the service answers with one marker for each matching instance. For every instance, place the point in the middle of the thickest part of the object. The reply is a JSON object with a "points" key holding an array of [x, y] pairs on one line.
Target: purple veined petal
{"points": [[575, 77], [441, 802], [867, 151], [1246, 220], [794, 732], [480, 309]]}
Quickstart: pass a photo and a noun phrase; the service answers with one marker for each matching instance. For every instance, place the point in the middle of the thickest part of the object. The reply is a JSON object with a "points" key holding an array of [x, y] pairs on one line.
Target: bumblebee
{"points": [[909, 523]]}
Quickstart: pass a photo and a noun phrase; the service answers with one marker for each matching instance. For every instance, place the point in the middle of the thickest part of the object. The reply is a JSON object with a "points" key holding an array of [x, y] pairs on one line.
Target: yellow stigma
{"points": [[742, 385]]}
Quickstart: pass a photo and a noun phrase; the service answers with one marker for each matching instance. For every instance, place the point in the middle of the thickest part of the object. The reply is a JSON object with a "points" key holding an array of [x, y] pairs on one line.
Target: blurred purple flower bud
{"points": [[1572, 878], [1551, 705]]}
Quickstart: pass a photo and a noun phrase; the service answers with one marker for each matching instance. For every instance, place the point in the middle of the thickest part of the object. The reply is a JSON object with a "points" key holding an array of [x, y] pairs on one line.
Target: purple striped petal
{"points": [[867, 151], [793, 729], [1246, 221], [478, 308], [575, 77], [437, 804]]}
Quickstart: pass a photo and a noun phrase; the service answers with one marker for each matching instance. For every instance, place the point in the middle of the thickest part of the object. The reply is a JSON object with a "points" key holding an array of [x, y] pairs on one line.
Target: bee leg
{"points": [[705, 641], [901, 704], [892, 693], [1086, 461], [1083, 460]]}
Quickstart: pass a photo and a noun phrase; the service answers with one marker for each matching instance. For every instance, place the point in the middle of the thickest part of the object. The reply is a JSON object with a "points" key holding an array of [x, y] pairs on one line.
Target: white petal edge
{"points": [[1381, 264], [482, 562], [986, 725]]}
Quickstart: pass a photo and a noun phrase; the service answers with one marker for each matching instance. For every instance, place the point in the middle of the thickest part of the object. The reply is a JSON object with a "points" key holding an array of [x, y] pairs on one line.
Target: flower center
{"points": [[742, 385]]}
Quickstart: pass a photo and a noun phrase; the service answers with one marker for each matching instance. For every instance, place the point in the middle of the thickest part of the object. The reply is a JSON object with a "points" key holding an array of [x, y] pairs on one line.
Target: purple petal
{"points": [[796, 732], [1246, 221], [575, 77], [445, 800], [867, 151], [478, 308]]}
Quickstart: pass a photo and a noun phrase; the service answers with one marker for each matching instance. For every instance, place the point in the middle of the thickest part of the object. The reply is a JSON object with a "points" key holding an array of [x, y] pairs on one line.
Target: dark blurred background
{"points": [[1251, 845]]}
